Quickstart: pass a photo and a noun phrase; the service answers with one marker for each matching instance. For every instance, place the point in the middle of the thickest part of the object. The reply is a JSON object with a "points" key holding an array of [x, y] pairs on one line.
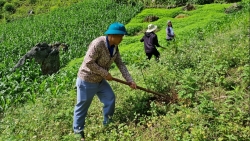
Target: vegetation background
{"points": [[204, 73]]}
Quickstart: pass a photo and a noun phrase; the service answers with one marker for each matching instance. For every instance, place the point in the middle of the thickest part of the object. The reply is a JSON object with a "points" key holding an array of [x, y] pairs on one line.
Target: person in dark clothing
{"points": [[170, 32], [151, 42]]}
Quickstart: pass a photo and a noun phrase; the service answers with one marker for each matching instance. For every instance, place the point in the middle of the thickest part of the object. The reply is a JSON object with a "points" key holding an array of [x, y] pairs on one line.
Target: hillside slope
{"points": [[207, 67], [12, 10]]}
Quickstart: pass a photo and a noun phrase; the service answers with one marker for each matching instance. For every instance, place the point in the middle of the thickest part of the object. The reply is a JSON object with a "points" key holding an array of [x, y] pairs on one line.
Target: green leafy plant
{"points": [[9, 7], [211, 74]]}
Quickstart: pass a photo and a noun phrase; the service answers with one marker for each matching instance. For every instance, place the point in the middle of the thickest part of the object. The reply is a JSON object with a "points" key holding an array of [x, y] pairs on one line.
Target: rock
{"points": [[47, 55]]}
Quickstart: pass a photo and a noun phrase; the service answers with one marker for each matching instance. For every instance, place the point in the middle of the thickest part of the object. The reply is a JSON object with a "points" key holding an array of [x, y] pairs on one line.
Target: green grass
{"points": [[76, 31], [22, 7], [209, 72]]}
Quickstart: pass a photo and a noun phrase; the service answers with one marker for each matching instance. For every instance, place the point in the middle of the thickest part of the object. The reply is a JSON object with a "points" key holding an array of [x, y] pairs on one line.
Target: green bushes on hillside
{"points": [[204, 74], [2, 2], [20, 8], [9, 7], [76, 26]]}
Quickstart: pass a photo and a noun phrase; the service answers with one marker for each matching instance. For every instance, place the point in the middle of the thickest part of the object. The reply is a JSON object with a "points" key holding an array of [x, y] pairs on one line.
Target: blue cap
{"points": [[116, 28]]}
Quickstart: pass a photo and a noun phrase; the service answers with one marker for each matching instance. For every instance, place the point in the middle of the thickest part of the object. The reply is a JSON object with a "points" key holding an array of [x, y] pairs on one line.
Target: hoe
{"points": [[138, 87]]}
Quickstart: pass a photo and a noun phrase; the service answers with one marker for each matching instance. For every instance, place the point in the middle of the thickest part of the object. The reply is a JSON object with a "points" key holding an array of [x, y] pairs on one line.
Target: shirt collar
{"points": [[111, 48]]}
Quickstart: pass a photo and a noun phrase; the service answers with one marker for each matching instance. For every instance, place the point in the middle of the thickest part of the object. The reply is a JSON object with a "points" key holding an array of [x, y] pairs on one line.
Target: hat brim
{"points": [[151, 30], [116, 32]]}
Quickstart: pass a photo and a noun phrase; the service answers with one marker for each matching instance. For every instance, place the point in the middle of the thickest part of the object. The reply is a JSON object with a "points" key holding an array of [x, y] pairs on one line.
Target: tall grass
{"points": [[210, 75], [76, 26]]}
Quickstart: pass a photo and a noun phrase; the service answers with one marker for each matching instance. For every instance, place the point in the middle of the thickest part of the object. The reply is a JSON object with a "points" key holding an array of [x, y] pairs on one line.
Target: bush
{"points": [[2, 2], [16, 3], [32, 1], [9, 7], [134, 29], [205, 1]]}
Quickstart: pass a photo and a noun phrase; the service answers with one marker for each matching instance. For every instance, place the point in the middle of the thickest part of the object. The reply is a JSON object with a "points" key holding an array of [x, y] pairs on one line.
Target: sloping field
{"points": [[205, 72], [76, 26]]}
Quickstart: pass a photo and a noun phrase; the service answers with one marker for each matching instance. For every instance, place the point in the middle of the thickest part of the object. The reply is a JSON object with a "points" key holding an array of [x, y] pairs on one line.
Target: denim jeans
{"points": [[85, 93]]}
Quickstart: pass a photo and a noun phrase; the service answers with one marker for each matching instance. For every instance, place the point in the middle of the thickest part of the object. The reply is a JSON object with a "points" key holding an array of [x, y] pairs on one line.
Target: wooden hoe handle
{"points": [[138, 87]]}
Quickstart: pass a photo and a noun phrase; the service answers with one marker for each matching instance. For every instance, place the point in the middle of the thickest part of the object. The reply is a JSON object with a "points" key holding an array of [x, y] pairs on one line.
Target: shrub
{"points": [[134, 29], [150, 18], [32, 1], [16, 3], [2, 2], [205, 1], [9, 7]]}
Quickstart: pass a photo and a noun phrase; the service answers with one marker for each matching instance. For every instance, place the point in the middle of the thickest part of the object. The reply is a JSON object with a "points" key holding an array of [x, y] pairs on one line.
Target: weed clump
{"points": [[188, 7], [181, 16], [2, 2], [150, 19], [234, 8], [9, 7]]}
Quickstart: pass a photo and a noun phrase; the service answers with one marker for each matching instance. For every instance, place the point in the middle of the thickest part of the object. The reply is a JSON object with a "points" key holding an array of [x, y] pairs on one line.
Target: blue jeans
{"points": [[85, 93]]}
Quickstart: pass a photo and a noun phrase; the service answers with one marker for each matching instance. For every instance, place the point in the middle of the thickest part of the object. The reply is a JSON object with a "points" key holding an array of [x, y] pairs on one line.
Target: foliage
{"points": [[75, 26], [9, 7], [2, 2], [207, 68], [22, 7]]}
